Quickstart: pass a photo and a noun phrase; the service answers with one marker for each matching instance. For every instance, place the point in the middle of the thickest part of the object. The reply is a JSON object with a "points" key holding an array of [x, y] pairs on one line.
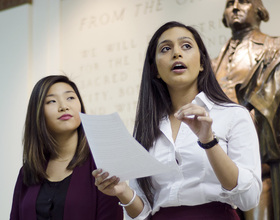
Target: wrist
{"points": [[126, 199], [207, 139], [211, 143]]}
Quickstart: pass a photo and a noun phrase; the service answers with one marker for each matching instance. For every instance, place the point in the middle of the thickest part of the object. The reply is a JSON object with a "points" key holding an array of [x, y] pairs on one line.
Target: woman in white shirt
{"points": [[185, 120]]}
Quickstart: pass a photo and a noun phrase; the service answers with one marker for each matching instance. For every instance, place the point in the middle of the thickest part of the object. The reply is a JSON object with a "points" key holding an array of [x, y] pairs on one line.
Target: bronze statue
{"points": [[248, 69]]}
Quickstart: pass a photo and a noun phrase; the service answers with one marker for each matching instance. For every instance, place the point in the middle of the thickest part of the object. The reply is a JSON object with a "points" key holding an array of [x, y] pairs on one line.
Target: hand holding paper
{"points": [[116, 151]]}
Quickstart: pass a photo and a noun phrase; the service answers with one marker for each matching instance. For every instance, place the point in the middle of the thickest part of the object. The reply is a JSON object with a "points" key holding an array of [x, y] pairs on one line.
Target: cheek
{"points": [[77, 119], [48, 120], [227, 15], [46, 115], [79, 107], [161, 65], [195, 60]]}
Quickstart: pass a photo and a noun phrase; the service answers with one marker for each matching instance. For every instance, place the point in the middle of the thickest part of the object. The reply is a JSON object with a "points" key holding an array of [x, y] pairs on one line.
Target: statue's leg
{"points": [[275, 180]]}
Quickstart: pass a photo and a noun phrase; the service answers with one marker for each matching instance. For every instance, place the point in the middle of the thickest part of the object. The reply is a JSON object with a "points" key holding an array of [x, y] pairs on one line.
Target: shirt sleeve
{"points": [[243, 149], [145, 214]]}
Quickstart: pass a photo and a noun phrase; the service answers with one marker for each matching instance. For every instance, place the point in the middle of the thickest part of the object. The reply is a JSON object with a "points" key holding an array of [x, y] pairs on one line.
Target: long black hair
{"points": [[154, 101]]}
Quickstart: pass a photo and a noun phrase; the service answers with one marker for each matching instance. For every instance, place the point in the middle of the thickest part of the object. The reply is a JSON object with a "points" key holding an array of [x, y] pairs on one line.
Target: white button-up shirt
{"points": [[193, 181]]}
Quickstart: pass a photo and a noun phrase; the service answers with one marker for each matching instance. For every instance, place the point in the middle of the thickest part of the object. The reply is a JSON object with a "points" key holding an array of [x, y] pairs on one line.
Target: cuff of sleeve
{"points": [[245, 179], [144, 214]]}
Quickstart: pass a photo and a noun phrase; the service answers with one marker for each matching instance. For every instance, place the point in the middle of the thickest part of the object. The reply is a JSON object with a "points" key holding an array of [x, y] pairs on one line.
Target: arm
{"points": [[224, 168], [14, 215], [243, 149], [121, 190], [238, 170]]}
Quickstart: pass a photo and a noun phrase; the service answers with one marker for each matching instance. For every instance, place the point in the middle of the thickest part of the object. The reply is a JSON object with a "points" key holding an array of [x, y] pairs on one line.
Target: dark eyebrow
{"points": [[51, 95], [70, 91], [180, 38]]}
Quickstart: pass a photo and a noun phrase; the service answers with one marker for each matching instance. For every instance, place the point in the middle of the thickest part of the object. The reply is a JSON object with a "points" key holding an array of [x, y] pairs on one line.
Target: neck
{"points": [[240, 34], [67, 145], [181, 97]]}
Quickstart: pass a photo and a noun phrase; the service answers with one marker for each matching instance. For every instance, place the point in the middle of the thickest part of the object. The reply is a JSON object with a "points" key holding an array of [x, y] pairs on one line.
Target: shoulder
{"points": [[88, 164], [233, 121], [260, 38], [20, 176], [234, 109], [231, 113]]}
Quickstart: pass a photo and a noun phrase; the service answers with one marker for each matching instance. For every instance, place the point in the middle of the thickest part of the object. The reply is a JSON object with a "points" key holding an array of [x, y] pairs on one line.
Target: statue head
{"points": [[242, 14]]}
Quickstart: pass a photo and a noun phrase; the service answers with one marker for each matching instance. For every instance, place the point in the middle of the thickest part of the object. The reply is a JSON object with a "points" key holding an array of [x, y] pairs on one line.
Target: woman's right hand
{"points": [[109, 186]]}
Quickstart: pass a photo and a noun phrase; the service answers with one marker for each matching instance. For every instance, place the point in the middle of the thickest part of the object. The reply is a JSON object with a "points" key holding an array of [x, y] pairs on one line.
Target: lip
{"points": [[235, 16], [65, 117], [178, 70]]}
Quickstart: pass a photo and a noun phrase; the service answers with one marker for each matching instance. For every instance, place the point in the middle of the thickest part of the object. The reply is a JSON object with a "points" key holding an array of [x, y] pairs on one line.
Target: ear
{"points": [[201, 68], [158, 76]]}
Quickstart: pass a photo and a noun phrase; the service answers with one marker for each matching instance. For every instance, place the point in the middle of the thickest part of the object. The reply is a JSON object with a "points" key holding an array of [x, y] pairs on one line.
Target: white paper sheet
{"points": [[116, 151]]}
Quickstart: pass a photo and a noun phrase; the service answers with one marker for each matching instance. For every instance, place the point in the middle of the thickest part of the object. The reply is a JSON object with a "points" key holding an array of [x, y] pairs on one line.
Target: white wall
{"points": [[48, 37], [15, 65], [103, 44], [29, 50]]}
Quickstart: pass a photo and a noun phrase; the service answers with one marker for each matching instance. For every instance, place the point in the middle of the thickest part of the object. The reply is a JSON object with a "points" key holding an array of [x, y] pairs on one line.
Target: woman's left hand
{"points": [[197, 118]]}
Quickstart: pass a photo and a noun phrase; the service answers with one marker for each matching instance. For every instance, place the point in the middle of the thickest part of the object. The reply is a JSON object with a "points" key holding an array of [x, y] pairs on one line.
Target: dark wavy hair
{"points": [[154, 101], [38, 143]]}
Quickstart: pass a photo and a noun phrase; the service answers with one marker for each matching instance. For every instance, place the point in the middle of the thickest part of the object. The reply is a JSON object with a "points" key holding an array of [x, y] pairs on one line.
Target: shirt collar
{"points": [[202, 100]]}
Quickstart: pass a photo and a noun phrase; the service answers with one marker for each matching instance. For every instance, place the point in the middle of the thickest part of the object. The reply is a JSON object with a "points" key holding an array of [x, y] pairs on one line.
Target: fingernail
{"points": [[190, 116]]}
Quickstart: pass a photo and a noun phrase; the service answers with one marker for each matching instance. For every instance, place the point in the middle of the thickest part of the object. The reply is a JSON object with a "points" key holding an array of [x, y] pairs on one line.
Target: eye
{"points": [[165, 49], [70, 98], [244, 2], [186, 46], [229, 3], [50, 101]]}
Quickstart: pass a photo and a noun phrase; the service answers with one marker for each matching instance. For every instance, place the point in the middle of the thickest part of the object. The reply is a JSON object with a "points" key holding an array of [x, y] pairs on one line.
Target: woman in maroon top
{"points": [[55, 181]]}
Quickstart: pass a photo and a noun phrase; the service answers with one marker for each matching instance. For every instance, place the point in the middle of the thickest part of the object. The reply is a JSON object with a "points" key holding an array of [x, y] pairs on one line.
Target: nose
{"points": [[177, 53], [63, 109], [236, 5]]}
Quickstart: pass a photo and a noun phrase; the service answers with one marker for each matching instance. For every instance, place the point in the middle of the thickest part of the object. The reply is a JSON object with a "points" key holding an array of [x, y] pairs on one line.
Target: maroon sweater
{"points": [[83, 200]]}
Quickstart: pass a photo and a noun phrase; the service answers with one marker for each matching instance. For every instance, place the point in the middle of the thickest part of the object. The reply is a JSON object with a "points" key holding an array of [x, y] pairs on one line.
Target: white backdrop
{"points": [[101, 45]]}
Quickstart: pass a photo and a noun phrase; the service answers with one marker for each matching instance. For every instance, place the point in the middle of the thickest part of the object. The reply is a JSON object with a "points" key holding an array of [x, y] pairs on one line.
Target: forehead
{"points": [[60, 87], [174, 34], [241, 1]]}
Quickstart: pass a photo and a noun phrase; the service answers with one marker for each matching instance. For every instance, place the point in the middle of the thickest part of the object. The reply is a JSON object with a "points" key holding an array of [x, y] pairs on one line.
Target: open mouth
{"points": [[178, 66]]}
